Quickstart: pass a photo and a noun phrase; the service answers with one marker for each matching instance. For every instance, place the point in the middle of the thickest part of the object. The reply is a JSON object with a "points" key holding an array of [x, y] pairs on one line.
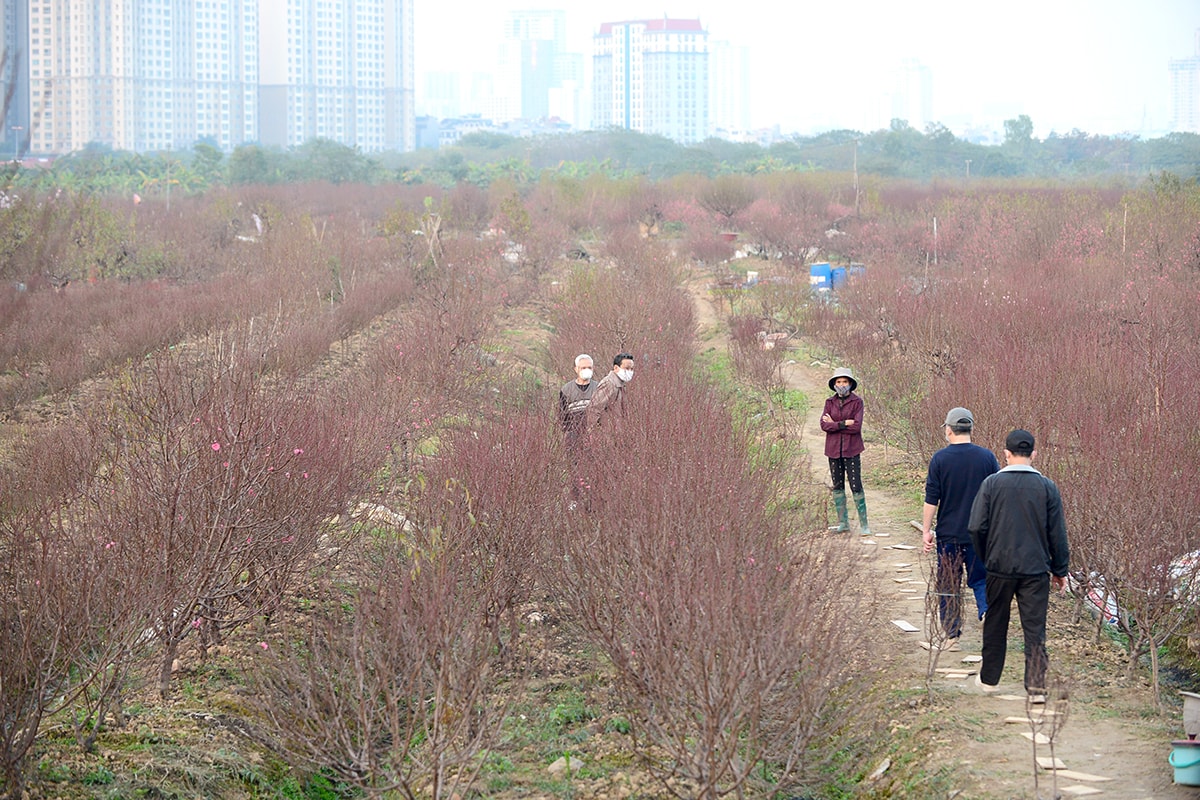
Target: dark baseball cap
{"points": [[959, 416], [1019, 441]]}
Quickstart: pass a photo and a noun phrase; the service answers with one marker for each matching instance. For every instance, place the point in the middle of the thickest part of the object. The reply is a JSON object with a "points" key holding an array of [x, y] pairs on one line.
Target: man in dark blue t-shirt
{"points": [[955, 474]]}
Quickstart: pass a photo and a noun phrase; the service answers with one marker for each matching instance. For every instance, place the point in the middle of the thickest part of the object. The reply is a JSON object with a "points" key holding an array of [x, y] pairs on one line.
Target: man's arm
{"points": [[933, 496], [980, 519], [1056, 533], [927, 526], [605, 392]]}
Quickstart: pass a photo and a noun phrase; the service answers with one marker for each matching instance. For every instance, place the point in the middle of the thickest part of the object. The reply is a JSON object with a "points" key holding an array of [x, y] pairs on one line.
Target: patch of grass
{"points": [[906, 746], [499, 764], [497, 783], [775, 454], [900, 477], [556, 787], [564, 717], [715, 366], [617, 725], [1117, 636], [101, 776], [53, 771], [315, 787], [1104, 712], [789, 399], [571, 709], [593, 770], [542, 730], [550, 723]]}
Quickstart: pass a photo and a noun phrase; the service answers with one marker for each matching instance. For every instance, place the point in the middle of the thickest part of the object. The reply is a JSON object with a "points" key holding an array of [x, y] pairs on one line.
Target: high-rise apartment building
{"points": [[535, 76], [729, 88], [339, 70], [536, 40], [1185, 92], [912, 95], [652, 76], [14, 76], [568, 93], [225, 54], [164, 74], [441, 94], [141, 74]]}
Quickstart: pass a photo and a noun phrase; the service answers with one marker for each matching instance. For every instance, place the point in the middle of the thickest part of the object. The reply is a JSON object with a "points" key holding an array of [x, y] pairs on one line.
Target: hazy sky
{"points": [[1096, 65]]}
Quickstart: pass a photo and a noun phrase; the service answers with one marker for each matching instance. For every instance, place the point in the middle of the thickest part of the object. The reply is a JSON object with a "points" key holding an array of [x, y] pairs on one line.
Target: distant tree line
{"points": [[899, 151]]}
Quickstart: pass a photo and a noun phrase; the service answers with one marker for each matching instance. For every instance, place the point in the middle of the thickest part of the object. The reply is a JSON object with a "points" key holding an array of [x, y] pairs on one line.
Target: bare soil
{"points": [[956, 740]]}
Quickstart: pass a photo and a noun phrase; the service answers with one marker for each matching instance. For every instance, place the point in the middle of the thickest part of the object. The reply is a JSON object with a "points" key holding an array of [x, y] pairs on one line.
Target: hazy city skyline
{"points": [[1093, 65]]}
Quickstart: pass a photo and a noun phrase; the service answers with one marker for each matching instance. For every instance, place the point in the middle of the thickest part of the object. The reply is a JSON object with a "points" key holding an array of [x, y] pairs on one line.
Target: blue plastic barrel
{"points": [[820, 277], [837, 277]]}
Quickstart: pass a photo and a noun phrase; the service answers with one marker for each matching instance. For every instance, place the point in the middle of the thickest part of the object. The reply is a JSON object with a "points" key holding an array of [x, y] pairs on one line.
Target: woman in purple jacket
{"points": [[842, 423]]}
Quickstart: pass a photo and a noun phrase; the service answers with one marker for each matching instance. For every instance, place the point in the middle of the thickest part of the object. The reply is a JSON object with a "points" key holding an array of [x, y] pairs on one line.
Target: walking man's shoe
{"points": [[988, 688]]}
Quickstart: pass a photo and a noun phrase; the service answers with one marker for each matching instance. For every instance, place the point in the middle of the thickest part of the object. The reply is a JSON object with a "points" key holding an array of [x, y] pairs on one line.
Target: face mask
{"points": [[842, 391], [626, 375], [585, 373]]}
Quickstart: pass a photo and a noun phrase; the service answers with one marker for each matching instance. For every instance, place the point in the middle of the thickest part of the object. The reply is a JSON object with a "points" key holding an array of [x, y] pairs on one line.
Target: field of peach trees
{"points": [[286, 459]]}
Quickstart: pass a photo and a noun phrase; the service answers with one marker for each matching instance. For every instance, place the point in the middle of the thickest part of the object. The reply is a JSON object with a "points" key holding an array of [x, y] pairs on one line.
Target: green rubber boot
{"points": [[839, 502], [860, 501]]}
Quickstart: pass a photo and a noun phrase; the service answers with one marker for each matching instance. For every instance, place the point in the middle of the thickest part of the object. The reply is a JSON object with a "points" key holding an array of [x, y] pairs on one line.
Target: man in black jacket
{"points": [[1018, 529]]}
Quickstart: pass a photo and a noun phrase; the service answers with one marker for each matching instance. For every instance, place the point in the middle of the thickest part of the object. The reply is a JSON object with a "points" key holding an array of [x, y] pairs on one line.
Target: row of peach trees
{"points": [[723, 632], [345, 364], [200, 490], [1074, 314], [88, 282], [205, 492]]}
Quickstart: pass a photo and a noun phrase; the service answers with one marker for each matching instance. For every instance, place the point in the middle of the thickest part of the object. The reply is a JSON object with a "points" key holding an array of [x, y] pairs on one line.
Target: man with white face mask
{"points": [[574, 398], [606, 408]]}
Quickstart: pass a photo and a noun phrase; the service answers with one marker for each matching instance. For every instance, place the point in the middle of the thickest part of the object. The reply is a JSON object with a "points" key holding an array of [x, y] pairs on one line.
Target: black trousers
{"points": [[843, 469], [1033, 598]]}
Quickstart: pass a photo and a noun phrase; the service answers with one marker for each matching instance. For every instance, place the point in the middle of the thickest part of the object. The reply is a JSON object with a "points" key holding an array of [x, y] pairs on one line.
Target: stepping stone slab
{"points": [[1025, 721], [1036, 738], [1046, 762], [1072, 775], [972, 659], [905, 625], [903, 546]]}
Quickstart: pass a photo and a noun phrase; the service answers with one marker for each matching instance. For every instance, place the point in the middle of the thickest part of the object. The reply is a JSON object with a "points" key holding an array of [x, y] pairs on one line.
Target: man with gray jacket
{"points": [[1018, 530]]}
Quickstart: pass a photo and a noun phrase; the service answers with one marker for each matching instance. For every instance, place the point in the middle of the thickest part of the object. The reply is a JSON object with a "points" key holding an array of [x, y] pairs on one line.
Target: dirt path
{"points": [[959, 744]]}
